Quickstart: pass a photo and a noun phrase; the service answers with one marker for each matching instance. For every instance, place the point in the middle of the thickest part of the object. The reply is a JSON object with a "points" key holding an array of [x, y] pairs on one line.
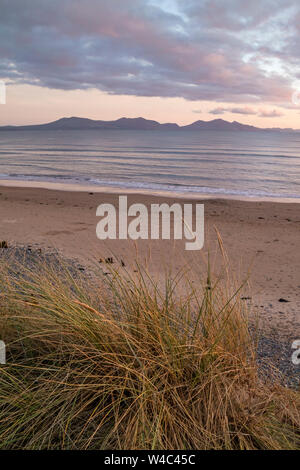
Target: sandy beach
{"points": [[260, 238]]}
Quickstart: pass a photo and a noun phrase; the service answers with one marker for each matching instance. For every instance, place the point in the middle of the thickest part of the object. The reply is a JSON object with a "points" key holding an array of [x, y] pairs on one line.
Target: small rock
{"points": [[283, 300]]}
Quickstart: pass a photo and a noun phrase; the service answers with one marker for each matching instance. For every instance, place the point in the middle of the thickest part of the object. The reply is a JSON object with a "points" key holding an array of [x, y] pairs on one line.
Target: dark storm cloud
{"points": [[210, 50]]}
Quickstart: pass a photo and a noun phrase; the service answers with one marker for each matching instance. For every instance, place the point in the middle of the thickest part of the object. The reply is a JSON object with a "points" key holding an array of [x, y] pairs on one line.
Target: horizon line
{"points": [[152, 120]]}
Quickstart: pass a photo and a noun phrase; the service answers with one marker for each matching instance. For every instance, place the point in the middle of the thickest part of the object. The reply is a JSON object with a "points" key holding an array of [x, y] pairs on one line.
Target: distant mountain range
{"points": [[76, 123]]}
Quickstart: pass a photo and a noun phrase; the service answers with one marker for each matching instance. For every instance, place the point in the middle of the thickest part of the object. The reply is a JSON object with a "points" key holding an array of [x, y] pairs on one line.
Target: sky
{"points": [[168, 60]]}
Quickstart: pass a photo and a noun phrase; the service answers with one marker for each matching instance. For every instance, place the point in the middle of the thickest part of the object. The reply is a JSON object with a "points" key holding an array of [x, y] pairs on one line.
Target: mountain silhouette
{"points": [[77, 123]]}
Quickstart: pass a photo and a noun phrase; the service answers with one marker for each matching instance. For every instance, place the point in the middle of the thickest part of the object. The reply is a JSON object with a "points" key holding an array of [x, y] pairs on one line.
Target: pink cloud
{"points": [[137, 48], [235, 110], [270, 113]]}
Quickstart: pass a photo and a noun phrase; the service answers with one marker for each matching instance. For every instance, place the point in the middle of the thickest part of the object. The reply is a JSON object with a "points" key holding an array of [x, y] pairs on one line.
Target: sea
{"points": [[260, 165]]}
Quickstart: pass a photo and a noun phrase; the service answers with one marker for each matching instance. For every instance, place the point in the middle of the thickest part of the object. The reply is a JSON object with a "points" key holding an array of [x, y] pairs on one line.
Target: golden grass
{"points": [[122, 363]]}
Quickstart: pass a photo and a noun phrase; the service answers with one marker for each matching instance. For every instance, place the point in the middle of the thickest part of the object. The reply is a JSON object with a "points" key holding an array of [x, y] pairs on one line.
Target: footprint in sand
{"points": [[9, 221], [80, 229], [64, 232], [58, 232]]}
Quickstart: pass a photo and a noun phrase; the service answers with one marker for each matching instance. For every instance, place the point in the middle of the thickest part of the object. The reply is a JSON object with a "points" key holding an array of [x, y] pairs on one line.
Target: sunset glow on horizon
{"points": [[170, 61]]}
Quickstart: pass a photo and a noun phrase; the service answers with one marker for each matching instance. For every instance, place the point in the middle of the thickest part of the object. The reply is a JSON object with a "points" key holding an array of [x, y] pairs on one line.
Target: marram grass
{"points": [[122, 363]]}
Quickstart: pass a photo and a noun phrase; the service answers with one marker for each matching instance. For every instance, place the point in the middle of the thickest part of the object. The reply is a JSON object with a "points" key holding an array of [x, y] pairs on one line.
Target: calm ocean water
{"points": [[259, 164]]}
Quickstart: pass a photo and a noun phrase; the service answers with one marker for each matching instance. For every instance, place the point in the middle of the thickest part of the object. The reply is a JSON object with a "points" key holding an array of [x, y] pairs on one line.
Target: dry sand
{"points": [[263, 237]]}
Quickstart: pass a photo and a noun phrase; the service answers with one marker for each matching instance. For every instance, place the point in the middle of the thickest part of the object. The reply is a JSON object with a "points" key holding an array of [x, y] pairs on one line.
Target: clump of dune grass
{"points": [[120, 362]]}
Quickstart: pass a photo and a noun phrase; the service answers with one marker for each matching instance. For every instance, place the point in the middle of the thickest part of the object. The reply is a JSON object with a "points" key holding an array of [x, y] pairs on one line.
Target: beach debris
{"points": [[108, 260], [3, 244], [283, 300], [122, 263], [246, 298]]}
